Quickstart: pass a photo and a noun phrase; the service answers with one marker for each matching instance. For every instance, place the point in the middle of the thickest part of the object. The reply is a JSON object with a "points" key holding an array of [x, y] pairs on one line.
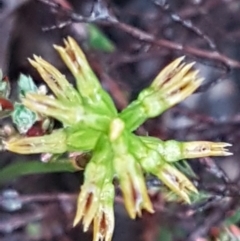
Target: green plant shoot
{"points": [[92, 124]]}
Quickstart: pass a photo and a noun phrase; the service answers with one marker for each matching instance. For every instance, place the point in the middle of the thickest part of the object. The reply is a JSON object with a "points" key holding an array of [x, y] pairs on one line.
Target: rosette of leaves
{"points": [[92, 124], [26, 121]]}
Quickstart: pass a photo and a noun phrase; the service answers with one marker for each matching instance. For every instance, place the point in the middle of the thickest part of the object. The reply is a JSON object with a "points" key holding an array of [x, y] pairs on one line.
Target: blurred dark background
{"points": [[212, 114]]}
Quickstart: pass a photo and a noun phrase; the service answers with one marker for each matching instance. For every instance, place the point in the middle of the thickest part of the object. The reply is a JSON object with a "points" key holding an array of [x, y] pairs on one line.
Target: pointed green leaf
{"points": [[98, 40], [185, 168], [18, 169]]}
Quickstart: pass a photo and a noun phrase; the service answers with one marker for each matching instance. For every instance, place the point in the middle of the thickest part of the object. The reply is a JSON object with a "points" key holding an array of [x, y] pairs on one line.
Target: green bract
{"points": [[23, 118], [92, 124], [26, 84]]}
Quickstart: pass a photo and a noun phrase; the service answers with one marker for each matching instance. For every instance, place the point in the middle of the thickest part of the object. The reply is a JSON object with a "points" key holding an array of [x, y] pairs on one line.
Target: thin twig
{"points": [[185, 23], [144, 36], [102, 15]]}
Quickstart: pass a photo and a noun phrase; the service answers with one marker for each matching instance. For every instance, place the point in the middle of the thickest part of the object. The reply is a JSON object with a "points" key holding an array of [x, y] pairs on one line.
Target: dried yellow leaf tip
{"points": [[104, 218], [95, 205], [56, 81], [172, 151], [53, 143], [176, 181], [77, 63], [133, 186], [196, 149], [87, 204], [170, 71], [177, 81], [87, 82], [89, 197], [172, 85]]}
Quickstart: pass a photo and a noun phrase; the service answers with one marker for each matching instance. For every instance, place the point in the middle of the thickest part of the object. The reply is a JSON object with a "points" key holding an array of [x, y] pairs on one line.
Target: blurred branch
{"points": [[25, 199], [102, 14], [215, 218]]}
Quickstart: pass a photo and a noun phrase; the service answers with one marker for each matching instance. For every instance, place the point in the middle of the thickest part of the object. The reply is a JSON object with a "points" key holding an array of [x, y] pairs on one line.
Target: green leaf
{"points": [[170, 233], [26, 84], [18, 169], [165, 234], [184, 167], [234, 219], [98, 40], [201, 196], [23, 118]]}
